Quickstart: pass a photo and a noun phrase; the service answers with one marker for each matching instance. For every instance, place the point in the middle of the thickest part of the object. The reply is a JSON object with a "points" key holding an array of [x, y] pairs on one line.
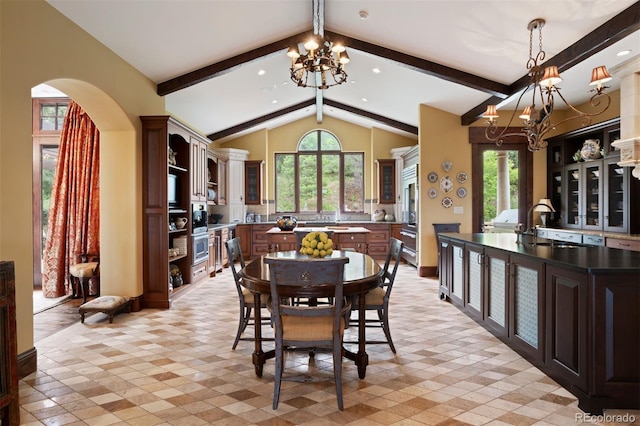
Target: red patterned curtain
{"points": [[74, 215]]}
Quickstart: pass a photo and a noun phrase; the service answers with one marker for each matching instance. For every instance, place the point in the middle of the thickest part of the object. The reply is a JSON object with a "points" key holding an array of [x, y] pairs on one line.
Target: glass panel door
{"points": [[593, 195]]}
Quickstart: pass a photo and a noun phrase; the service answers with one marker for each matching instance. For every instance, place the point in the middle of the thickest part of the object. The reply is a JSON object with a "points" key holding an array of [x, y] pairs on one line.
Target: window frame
{"points": [[318, 153]]}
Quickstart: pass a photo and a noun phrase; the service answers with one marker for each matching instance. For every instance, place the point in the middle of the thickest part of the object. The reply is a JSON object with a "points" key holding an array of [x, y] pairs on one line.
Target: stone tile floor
{"points": [[176, 367]]}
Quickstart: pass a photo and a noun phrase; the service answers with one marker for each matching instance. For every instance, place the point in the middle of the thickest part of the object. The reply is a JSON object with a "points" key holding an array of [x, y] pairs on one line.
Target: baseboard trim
{"points": [[27, 362], [427, 271]]}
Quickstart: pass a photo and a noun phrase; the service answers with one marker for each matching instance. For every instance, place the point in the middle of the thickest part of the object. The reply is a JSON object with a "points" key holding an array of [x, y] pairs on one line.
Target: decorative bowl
{"points": [[286, 223], [216, 217]]}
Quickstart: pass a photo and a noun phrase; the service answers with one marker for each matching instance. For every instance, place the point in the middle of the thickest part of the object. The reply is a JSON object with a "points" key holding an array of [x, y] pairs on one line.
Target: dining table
{"points": [[361, 274]]}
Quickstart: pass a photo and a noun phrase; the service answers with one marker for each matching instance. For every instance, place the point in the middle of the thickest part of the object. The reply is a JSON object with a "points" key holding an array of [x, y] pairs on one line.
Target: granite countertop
{"points": [[592, 259], [335, 229], [214, 226]]}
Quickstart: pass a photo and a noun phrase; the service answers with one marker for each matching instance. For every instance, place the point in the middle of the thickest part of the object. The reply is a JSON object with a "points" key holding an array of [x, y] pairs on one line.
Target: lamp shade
{"points": [[546, 207], [526, 114], [491, 112], [551, 76], [600, 75]]}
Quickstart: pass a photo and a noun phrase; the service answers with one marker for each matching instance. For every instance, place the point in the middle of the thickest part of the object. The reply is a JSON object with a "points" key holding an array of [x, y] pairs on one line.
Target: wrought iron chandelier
{"points": [[323, 64], [537, 122]]}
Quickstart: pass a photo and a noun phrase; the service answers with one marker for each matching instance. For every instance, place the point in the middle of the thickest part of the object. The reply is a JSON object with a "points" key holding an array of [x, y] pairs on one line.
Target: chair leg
{"points": [[245, 311], [278, 374], [84, 285], [384, 320], [337, 374]]}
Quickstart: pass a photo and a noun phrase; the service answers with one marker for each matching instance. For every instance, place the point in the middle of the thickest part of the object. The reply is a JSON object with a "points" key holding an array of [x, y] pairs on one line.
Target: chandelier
{"points": [[537, 121], [323, 64]]}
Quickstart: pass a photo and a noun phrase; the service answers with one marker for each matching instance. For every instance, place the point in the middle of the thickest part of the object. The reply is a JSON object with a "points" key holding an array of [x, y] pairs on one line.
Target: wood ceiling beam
{"points": [[379, 118], [227, 65], [257, 121], [424, 66], [620, 26]]}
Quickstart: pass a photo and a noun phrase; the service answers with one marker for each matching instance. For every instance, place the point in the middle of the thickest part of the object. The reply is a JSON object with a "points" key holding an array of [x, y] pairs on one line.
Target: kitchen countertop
{"points": [[592, 259], [336, 229]]}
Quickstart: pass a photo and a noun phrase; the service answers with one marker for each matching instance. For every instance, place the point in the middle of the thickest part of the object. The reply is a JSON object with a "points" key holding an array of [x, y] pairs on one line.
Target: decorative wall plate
{"points": [[433, 177], [446, 166], [447, 202], [462, 192], [446, 184], [432, 193], [461, 177]]}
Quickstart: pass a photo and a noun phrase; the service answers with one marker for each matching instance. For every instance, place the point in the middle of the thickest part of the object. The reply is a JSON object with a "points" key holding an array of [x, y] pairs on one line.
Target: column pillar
{"points": [[503, 198]]}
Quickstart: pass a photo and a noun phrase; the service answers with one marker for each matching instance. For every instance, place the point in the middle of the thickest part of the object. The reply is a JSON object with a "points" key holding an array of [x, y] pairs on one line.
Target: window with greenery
{"points": [[52, 115], [319, 177]]}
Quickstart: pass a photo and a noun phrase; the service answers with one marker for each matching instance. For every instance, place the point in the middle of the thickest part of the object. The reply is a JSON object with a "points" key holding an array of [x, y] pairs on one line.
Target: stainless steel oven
{"points": [[200, 244]]}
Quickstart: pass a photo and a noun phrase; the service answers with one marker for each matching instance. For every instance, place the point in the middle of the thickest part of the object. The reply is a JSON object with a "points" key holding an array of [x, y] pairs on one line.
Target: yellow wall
{"points": [[375, 143], [39, 45], [442, 138]]}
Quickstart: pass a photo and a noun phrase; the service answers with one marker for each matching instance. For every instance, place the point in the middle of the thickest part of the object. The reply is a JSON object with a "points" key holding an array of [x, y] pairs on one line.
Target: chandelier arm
{"points": [[492, 128]]}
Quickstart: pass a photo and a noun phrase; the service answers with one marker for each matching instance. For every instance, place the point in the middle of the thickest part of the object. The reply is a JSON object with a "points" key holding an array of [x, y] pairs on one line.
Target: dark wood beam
{"points": [[256, 121], [424, 66], [384, 120], [620, 26], [220, 68]]}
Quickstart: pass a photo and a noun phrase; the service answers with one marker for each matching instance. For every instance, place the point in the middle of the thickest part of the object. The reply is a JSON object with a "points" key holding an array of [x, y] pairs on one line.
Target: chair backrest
{"points": [[301, 273], [387, 277], [234, 252]]}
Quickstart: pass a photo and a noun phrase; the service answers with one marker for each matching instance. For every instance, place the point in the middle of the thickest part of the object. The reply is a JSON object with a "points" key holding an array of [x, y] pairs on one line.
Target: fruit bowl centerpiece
{"points": [[286, 223], [317, 244]]}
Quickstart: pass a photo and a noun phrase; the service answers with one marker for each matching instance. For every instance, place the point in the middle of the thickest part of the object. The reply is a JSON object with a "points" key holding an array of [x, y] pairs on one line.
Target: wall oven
{"points": [[200, 244], [199, 221]]}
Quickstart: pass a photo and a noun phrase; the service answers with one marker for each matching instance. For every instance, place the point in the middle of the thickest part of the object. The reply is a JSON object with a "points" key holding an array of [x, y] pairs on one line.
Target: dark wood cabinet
{"points": [[253, 182], [386, 181], [173, 162], [567, 312], [594, 195], [378, 239], [9, 392], [566, 331], [243, 231]]}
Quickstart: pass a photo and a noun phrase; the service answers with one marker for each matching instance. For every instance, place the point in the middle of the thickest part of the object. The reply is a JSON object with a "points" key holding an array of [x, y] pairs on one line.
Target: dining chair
{"points": [[246, 298], [308, 327], [378, 298], [87, 268]]}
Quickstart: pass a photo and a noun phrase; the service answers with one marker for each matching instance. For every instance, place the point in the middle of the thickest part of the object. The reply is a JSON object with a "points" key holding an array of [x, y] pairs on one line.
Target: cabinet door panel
{"points": [[526, 308], [457, 275], [496, 292], [473, 299], [566, 334]]}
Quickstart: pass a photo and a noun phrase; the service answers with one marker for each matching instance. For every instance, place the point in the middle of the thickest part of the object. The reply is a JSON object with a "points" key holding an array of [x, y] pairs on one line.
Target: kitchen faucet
{"points": [[533, 232]]}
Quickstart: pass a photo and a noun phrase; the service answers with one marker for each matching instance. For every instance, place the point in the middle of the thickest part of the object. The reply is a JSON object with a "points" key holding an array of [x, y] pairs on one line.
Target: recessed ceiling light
{"points": [[275, 101], [365, 100], [262, 72], [376, 71], [624, 52], [363, 14]]}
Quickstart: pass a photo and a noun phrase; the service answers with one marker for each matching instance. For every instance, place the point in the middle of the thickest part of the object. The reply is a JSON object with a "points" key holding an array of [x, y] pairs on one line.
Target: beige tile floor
{"points": [[176, 367]]}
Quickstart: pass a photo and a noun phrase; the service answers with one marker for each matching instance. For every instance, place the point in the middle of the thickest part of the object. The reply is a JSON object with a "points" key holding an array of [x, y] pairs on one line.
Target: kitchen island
{"points": [[573, 312], [343, 237]]}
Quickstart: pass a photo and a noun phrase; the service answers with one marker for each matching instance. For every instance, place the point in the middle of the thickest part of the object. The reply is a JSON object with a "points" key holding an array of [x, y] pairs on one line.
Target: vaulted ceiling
{"points": [[222, 64]]}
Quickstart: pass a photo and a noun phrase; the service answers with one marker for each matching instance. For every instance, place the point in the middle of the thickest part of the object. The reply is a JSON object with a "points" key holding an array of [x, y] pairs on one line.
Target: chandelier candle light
{"points": [[323, 64], [537, 122]]}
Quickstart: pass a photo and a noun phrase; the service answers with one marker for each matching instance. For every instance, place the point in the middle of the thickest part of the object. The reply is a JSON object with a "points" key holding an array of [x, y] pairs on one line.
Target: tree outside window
{"points": [[319, 177]]}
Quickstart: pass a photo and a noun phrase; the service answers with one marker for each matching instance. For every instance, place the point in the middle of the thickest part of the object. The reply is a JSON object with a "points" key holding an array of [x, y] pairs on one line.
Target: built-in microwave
{"points": [[200, 247]]}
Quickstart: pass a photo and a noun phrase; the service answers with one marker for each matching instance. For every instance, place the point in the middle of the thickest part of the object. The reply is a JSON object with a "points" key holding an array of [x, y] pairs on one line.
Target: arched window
{"points": [[319, 177]]}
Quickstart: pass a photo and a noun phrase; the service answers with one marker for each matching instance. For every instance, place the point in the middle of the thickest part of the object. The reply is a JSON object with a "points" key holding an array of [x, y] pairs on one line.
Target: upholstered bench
{"points": [[109, 305]]}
